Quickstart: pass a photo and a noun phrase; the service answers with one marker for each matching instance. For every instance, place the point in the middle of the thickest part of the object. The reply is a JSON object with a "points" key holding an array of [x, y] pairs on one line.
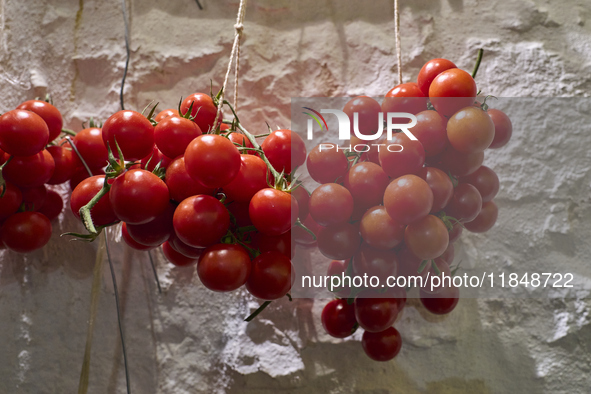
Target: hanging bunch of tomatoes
{"points": [[205, 193], [396, 209], [31, 159]]}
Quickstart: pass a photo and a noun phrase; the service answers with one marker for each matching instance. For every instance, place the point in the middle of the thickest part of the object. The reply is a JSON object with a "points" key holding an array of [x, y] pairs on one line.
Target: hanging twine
{"points": [[238, 27], [397, 32]]}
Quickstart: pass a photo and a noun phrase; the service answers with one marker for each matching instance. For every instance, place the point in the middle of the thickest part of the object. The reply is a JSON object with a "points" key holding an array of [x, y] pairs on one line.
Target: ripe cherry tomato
{"points": [[452, 90], [180, 184], [91, 146], [401, 156], [379, 230], [470, 130], [204, 110], [240, 140], [130, 241], [81, 174], [285, 150], [280, 243], [153, 159], [50, 114], [102, 213], [430, 70], [201, 221], [64, 164], [25, 232], [273, 211], [326, 163], [406, 97], [224, 267], [138, 196], [382, 346], [175, 257], [303, 198], [173, 134], [430, 130], [22, 133], [302, 237], [183, 248], [367, 110], [338, 318], [338, 242], [485, 180], [375, 314], [408, 199], [367, 182], [165, 113], [338, 268], [442, 302], [52, 206], [155, 232], [503, 128], [133, 132], [485, 219], [440, 184], [212, 160], [374, 262], [10, 202], [465, 204], [331, 204], [427, 238], [460, 164], [251, 178], [33, 197], [30, 171], [271, 276]]}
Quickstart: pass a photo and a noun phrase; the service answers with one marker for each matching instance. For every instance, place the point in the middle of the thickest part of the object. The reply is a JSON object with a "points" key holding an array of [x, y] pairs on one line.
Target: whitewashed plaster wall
{"points": [[190, 340]]}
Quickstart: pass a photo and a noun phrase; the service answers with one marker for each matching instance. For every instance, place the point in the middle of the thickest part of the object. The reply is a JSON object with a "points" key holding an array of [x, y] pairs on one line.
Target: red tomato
{"points": [[240, 140], [285, 150], [64, 161], [430, 70], [382, 346], [155, 232], [138, 196], [22, 133], [25, 232], [303, 198], [302, 237], [338, 242], [153, 159], [373, 262], [485, 219], [251, 178], [224, 267], [465, 204], [470, 130], [375, 314], [180, 184], [133, 132], [102, 213], [280, 243], [402, 156], [81, 174], [427, 238], [10, 202], [50, 114], [183, 248], [204, 110], [33, 197], [212, 160], [52, 206], [338, 318], [367, 110], [460, 164], [451, 91], [367, 182], [503, 128], [331, 204], [431, 131], [379, 230], [271, 276], [201, 221], [130, 241], [30, 171], [440, 184], [326, 163], [165, 113], [175, 257], [338, 268], [273, 211], [408, 199], [174, 133], [485, 180], [91, 146], [442, 302], [406, 97]]}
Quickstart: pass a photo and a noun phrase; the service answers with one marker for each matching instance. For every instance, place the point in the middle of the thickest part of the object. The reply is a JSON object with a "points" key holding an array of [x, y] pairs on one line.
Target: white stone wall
{"points": [[190, 340]]}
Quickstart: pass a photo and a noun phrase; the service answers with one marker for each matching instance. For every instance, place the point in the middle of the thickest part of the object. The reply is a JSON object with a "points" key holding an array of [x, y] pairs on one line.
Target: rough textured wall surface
{"points": [[190, 340]]}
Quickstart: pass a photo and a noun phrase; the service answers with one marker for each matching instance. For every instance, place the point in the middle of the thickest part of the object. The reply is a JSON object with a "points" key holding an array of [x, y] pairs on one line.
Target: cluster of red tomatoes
{"points": [[207, 195], [31, 159], [395, 210]]}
